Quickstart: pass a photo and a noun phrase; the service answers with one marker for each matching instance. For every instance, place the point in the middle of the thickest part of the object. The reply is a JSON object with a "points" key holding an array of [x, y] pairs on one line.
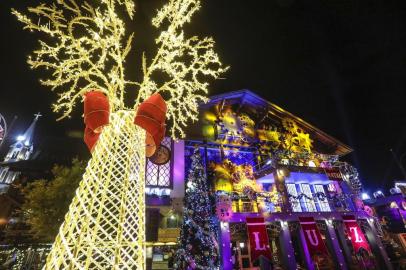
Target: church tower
{"points": [[22, 149]]}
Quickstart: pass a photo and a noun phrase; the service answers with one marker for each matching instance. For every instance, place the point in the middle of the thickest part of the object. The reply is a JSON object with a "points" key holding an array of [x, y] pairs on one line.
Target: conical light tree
{"points": [[85, 46]]}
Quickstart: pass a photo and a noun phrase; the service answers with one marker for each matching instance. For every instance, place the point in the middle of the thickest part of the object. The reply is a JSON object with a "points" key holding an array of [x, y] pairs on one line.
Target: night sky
{"points": [[338, 64]]}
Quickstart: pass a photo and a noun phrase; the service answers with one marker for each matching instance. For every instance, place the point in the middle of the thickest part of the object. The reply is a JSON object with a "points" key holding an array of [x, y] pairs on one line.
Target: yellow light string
{"points": [[86, 48]]}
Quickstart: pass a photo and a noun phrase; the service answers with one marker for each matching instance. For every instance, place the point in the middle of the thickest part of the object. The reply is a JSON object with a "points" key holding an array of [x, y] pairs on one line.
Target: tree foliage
{"points": [[46, 202]]}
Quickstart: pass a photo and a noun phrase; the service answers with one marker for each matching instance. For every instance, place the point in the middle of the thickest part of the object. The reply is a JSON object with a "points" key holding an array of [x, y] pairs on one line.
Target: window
{"points": [[307, 200], [331, 187], [3, 175], [14, 155], [295, 204], [322, 200], [159, 175], [172, 221], [10, 177]]}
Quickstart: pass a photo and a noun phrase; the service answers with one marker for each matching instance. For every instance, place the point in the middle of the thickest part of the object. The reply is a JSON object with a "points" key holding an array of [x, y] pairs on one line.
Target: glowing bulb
{"points": [[312, 164], [20, 138], [365, 196], [269, 162]]}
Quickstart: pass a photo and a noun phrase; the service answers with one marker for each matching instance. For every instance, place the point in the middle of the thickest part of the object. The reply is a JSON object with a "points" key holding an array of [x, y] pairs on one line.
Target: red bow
{"points": [[151, 116], [96, 116]]}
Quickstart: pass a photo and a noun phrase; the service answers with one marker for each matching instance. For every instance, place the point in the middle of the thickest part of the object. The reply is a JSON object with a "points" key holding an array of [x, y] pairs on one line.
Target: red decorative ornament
{"points": [[368, 210], [91, 138], [356, 234], [258, 237], [151, 116], [224, 208], [96, 110], [314, 240]]}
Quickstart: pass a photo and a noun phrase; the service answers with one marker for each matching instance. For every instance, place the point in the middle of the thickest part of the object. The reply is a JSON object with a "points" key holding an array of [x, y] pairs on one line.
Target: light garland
{"points": [[20, 257], [86, 48], [96, 58]]}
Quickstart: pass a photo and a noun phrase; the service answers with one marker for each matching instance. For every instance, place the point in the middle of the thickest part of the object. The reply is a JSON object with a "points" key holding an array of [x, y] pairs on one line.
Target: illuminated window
{"points": [[159, 175], [307, 201], [293, 201], [394, 205], [322, 203], [331, 187], [3, 175]]}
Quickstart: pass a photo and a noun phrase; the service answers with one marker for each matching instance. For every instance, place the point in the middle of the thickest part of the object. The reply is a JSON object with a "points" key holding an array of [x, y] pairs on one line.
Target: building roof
{"points": [[247, 98]]}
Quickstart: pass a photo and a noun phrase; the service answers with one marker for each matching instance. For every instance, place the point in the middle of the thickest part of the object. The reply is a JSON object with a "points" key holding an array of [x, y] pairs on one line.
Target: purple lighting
{"points": [[178, 169], [226, 246]]}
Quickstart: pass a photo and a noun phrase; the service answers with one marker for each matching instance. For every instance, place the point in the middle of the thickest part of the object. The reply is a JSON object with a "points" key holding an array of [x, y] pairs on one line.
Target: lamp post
{"points": [[399, 162]]}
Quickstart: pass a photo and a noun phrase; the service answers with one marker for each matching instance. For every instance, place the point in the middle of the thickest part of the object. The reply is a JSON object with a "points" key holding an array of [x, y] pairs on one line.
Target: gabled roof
{"points": [[247, 98]]}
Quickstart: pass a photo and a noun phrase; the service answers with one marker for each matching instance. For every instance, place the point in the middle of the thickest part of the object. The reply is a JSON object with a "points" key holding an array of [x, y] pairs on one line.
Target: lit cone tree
{"points": [[85, 46], [198, 248]]}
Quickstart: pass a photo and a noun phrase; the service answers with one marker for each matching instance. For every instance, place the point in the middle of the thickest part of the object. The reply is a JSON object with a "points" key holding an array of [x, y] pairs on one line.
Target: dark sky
{"points": [[339, 64]]}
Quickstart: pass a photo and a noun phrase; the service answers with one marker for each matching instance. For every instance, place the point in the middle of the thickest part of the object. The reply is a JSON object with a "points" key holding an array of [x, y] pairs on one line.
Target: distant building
{"points": [[22, 149], [29, 158], [390, 213]]}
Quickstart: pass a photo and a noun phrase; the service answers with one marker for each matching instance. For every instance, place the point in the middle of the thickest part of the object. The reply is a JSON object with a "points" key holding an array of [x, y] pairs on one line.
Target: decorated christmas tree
{"points": [[198, 245]]}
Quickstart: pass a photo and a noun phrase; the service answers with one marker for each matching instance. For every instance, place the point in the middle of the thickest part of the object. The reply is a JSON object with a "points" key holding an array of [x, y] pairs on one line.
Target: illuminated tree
{"points": [[85, 47], [198, 246]]}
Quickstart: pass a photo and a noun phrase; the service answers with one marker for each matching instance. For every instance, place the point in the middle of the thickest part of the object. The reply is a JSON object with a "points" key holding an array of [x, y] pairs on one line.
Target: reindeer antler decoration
{"points": [[85, 48]]}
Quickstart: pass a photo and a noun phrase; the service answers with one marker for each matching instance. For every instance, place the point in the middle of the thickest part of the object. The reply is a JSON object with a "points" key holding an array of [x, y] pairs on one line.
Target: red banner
{"points": [[355, 234], [258, 236], [333, 174], [314, 241]]}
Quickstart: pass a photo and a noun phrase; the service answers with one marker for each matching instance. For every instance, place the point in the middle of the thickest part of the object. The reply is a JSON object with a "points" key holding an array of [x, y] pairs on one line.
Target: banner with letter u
{"points": [[356, 235], [314, 241], [258, 237]]}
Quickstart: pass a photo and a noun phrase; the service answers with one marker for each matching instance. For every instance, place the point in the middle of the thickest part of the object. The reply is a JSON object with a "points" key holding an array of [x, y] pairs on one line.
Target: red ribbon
{"points": [[150, 115]]}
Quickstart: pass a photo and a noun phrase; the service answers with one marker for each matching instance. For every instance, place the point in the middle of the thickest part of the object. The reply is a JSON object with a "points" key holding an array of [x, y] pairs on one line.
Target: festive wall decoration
{"points": [[356, 235], [286, 140], [85, 48], [314, 241], [351, 176], [232, 128], [258, 236], [231, 177], [333, 174], [369, 210], [224, 208]]}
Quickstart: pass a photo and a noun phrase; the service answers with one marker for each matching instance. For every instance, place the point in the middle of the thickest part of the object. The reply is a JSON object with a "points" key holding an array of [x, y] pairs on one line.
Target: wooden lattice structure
{"points": [[104, 226]]}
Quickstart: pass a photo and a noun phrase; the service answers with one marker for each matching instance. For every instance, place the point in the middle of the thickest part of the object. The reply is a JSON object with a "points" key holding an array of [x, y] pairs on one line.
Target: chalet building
{"points": [[283, 196]]}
